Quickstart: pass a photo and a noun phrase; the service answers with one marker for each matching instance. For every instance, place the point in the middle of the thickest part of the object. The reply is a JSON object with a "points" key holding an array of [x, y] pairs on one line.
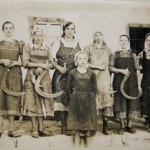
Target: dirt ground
{"points": [[56, 141]]}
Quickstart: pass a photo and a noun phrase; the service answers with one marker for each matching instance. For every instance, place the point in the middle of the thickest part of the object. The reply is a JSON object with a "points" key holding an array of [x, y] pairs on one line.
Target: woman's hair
{"points": [[97, 32], [147, 35], [67, 24], [7, 22], [125, 36]]}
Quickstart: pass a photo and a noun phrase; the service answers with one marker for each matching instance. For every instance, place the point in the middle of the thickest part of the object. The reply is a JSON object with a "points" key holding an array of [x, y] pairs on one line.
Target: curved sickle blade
{"points": [[58, 82], [122, 89], [109, 92], [6, 90], [40, 92], [33, 79]]}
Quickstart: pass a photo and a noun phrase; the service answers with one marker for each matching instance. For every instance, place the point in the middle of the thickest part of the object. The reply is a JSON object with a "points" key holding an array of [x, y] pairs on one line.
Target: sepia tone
{"points": [[111, 17]]}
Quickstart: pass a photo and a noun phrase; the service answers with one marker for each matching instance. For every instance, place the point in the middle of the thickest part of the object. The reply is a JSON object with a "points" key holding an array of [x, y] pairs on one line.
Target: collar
{"points": [[96, 47], [42, 47], [125, 51], [9, 39], [72, 44]]}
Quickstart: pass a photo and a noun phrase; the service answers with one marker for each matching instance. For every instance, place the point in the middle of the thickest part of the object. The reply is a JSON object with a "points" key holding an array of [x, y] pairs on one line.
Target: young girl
{"points": [[82, 105]]}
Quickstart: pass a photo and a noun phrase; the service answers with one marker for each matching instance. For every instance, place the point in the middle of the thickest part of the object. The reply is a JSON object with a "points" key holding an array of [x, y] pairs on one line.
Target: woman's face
{"points": [[148, 41], [8, 30], [70, 31], [124, 42], [98, 37], [38, 37]]}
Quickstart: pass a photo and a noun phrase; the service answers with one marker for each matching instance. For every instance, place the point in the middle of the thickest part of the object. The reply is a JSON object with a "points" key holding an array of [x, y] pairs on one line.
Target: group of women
{"points": [[82, 86]]}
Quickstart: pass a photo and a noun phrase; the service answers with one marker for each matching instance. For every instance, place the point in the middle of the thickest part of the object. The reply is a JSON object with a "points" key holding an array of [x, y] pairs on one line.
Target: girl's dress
{"points": [[64, 55], [33, 101], [126, 108], [82, 105], [11, 104], [98, 56]]}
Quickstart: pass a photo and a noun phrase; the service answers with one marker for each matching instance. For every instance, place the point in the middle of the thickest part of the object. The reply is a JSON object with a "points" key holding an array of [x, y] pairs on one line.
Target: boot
{"points": [[146, 123], [148, 128], [105, 127], [63, 130], [116, 117], [63, 122]]}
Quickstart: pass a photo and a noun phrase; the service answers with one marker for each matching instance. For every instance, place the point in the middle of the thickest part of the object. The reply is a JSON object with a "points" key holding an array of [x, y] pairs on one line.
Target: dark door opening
{"points": [[137, 35]]}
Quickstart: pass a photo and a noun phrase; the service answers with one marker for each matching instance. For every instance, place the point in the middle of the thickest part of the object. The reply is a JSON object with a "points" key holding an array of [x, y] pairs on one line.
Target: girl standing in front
{"points": [[82, 106], [37, 58], [10, 52]]}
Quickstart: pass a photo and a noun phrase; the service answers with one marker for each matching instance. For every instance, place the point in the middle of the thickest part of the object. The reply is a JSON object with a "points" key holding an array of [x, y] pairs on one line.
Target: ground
{"points": [[56, 141]]}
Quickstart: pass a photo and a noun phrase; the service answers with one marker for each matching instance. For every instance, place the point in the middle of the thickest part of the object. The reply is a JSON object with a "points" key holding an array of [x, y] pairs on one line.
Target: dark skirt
{"points": [[82, 112], [145, 99]]}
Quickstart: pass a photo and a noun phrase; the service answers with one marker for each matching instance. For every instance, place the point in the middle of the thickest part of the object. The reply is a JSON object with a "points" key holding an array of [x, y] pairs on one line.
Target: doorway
{"points": [[137, 33]]}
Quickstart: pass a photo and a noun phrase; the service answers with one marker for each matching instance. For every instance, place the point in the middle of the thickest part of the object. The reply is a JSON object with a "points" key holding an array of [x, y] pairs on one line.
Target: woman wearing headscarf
{"points": [[144, 58], [125, 63], [99, 55], [37, 58], [63, 52], [10, 53]]}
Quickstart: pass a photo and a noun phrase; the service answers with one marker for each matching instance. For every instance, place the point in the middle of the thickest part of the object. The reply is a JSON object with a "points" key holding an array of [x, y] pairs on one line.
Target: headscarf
{"points": [[128, 47], [145, 44], [37, 29]]}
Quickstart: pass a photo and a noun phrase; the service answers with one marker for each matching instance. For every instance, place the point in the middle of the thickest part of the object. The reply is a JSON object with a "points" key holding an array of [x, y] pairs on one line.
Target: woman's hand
{"points": [[38, 71], [16, 63], [7, 63], [61, 69], [140, 91], [44, 66], [125, 72]]}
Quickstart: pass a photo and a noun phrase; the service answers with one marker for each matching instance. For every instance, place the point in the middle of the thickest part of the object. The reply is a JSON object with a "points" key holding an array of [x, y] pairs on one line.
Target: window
{"points": [[137, 33], [51, 26]]}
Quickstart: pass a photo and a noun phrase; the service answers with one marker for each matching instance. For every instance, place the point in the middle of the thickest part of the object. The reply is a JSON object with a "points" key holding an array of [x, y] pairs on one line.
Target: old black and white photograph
{"points": [[74, 74]]}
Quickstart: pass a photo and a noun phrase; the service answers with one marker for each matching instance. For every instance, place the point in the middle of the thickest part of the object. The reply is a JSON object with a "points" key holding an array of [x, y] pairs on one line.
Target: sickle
{"points": [[5, 89], [122, 89], [40, 92], [33, 78], [57, 82], [106, 91]]}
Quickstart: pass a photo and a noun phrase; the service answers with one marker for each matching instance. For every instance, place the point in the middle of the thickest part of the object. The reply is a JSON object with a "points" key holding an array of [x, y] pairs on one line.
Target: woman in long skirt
{"points": [[37, 59], [63, 52], [99, 55], [144, 58], [125, 63], [10, 53]]}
